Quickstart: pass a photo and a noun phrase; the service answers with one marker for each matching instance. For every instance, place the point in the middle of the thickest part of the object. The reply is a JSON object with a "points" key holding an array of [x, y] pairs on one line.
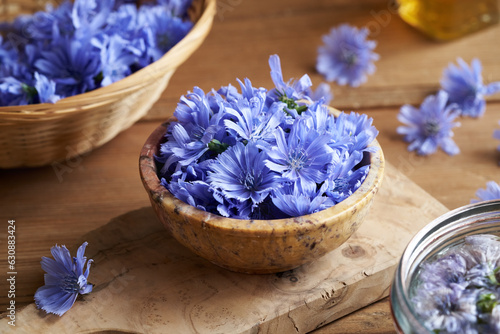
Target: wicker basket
{"points": [[42, 134]]}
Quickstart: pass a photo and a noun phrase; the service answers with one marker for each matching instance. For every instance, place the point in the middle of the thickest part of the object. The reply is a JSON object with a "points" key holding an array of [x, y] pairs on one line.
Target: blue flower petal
{"points": [[63, 280], [491, 192], [464, 85], [346, 56], [430, 127], [240, 174]]}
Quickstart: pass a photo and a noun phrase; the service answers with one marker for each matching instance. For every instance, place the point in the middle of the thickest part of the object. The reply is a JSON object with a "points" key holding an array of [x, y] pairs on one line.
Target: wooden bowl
{"points": [[258, 246]]}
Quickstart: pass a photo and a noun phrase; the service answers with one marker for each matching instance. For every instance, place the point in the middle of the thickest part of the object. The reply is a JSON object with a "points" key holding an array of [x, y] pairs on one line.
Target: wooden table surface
{"points": [[51, 206]]}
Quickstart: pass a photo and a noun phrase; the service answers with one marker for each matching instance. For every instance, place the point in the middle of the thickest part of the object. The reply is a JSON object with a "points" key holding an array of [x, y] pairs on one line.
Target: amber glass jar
{"points": [[449, 19]]}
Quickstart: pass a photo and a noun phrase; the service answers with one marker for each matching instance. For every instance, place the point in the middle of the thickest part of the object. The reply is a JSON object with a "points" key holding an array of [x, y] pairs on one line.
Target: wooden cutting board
{"points": [[146, 282]]}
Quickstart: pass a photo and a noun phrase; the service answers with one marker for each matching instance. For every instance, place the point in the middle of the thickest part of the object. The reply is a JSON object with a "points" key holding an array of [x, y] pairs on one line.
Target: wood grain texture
{"points": [[146, 282], [245, 33], [105, 184], [370, 319], [60, 206]]}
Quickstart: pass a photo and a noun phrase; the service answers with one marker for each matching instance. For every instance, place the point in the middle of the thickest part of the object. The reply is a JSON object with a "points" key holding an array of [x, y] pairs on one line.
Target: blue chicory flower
{"points": [[303, 155], [8, 56], [240, 173], [231, 94], [491, 192], [456, 291], [14, 92], [248, 92], [41, 27], [465, 87], [250, 120], [116, 59], [481, 252], [164, 30], [198, 129], [127, 23], [46, 89], [123, 21], [295, 201], [190, 186], [64, 280], [86, 44], [318, 117], [73, 65], [177, 8], [290, 91], [448, 310], [447, 271], [89, 16], [259, 154], [343, 176], [430, 126], [323, 91], [14, 70], [483, 275], [355, 129], [48, 24], [347, 56], [234, 208]]}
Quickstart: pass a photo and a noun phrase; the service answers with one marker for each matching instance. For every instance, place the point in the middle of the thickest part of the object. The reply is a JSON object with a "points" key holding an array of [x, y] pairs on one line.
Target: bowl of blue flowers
{"points": [[261, 181], [448, 277], [75, 74]]}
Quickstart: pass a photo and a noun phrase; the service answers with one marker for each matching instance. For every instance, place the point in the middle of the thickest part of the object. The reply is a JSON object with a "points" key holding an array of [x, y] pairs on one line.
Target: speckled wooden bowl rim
{"points": [[157, 192]]}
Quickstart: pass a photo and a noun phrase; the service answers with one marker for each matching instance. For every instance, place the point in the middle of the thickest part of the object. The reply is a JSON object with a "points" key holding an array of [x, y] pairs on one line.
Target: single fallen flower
{"points": [[429, 127], [64, 280]]}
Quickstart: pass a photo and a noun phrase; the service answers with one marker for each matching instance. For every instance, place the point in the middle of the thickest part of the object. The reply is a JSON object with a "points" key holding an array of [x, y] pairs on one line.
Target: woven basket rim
{"points": [[169, 61]]}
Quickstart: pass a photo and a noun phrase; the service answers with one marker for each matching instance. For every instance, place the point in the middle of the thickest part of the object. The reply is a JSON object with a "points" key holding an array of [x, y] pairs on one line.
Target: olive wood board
{"points": [[146, 282]]}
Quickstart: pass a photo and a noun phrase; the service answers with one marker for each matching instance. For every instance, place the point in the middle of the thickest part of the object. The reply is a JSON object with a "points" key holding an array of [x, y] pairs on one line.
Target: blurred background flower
{"points": [[64, 280], [429, 127], [464, 85], [81, 46], [347, 57]]}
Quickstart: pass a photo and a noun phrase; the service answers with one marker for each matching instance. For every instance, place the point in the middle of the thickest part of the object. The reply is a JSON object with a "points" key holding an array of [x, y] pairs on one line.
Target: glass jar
{"points": [[448, 19], [444, 232]]}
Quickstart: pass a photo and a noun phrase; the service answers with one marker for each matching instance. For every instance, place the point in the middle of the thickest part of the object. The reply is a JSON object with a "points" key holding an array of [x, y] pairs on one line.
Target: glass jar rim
{"points": [[438, 234]]}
